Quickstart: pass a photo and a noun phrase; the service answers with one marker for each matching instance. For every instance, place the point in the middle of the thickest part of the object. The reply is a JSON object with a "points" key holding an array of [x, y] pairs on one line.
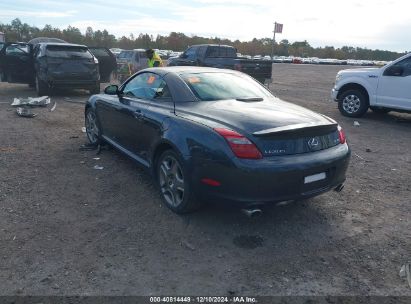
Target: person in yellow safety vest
{"points": [[154, 59]]}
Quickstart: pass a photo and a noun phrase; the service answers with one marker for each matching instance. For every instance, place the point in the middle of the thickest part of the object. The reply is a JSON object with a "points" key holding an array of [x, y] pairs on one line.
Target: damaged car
{"points": [[218, 134], [50, 65]]}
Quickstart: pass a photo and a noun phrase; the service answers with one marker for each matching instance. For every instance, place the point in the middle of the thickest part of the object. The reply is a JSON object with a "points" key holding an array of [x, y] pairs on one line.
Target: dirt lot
{"points": [[68, 229]]}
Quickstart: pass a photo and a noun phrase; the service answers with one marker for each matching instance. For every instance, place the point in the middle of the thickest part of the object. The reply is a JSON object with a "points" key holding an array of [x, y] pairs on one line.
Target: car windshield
{"points": [[65, 51], [219, 86]]}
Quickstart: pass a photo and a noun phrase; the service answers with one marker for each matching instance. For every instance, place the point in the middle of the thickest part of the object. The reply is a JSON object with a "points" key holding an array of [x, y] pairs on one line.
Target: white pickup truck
{"points": [[381, 89]]}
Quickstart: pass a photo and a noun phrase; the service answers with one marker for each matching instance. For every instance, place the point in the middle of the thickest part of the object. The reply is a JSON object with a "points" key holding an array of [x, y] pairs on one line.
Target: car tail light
{"points": [[210, 182], [341, 135], [241, 146], [237, 66]]}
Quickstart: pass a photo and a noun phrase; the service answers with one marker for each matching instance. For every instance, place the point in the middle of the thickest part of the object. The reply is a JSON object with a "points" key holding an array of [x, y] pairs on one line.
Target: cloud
{"points": [[39, 14], [362, 23]]}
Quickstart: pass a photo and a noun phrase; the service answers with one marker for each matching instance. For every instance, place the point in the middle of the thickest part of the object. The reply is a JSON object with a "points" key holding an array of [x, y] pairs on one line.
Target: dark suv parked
{"points": [[50, 65]]}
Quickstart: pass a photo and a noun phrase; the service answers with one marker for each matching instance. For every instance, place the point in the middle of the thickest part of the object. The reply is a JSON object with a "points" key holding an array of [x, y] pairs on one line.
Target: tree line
{"points": [[18, 31]]}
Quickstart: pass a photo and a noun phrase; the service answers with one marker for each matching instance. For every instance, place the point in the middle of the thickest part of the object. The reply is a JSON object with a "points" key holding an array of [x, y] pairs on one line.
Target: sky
{"points": [[373, 24]]}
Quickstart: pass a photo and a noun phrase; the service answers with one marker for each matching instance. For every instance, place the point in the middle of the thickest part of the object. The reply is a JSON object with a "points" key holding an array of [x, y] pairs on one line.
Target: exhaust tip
{"points": [[252, 212], [339, 188]]}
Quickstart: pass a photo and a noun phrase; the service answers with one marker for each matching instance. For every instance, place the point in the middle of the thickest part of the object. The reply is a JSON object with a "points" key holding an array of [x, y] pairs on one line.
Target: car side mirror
{"points": [[112, 90], [183, 56], [394, 70]]}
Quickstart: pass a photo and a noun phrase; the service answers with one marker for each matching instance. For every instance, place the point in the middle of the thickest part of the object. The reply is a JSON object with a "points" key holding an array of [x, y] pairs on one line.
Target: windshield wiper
{"points": [[250, 99]]}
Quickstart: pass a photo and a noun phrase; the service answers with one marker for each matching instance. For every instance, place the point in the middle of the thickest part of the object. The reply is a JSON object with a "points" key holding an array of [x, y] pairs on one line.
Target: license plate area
{"points": [[315, 178]]}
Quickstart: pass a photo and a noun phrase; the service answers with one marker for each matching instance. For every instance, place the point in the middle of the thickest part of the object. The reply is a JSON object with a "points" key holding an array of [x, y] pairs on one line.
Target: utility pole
{"points": [[272, 46]]}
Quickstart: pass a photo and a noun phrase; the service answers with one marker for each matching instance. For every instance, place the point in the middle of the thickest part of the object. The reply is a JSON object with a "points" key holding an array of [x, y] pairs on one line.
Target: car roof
{"points": [[64, 44], [222, 45]]}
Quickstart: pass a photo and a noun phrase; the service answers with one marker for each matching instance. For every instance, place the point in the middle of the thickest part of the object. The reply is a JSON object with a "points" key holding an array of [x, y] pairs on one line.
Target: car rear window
{"points": [[220, 86], [65, 51], [99, 52], [221, 51]]}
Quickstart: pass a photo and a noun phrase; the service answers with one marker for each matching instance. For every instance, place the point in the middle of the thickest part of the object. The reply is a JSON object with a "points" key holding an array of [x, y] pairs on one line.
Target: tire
{"points": [[42, 88], [174, 183], [95, 89], [92, 127], [353, 103], [380, 110]]}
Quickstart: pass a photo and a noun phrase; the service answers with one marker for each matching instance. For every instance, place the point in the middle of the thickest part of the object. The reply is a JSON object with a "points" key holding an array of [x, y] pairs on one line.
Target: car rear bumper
{"points": [[271, 179], [73, 83]]}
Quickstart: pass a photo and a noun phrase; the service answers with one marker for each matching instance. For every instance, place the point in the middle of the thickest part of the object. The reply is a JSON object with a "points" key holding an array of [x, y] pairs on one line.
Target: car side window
{"points": [[14, 50], [212, 51], [148, 86], [191, 53], [400, 69]]}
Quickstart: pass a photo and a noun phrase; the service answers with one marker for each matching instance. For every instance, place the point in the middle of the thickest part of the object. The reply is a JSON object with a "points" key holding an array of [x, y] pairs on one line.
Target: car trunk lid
{"points": [[70, 62], [275, 126]]}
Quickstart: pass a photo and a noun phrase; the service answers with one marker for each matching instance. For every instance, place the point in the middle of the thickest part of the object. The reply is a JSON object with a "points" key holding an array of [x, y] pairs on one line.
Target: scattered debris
{"points": [[102, 147], [356, 123], [97, 167], [53, 107], [83, 129], [31, 101], [88, 147], [25, 112], [188, 245], [393, 169], [405, 272], [359, 156], [8, 149], [367, 150], [24, 105], [96, 158], [74, 136]]}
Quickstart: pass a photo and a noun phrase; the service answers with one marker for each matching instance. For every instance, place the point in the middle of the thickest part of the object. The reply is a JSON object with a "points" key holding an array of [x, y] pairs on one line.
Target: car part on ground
{"points": [[25, 112], [30, 101]]}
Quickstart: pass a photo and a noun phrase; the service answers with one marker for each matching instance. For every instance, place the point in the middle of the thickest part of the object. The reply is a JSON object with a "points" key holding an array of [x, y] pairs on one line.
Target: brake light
{"points": [[341, 135], [241, 146]]}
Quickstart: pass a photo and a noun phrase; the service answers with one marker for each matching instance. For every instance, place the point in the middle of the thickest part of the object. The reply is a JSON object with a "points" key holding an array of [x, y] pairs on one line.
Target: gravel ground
{"points": [[68, 229]]}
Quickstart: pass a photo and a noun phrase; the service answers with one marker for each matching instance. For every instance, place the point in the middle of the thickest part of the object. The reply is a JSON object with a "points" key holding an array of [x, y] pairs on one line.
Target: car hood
{"points": [[249, 117], [359, 70]]}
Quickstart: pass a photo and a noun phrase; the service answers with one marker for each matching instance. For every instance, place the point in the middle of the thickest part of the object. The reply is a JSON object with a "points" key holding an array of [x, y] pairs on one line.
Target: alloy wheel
{"points": [[92, 130], [351, 103], [171, 180]]}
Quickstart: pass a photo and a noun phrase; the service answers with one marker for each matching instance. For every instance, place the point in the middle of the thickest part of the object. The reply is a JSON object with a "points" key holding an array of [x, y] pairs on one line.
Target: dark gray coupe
{"points": [[209, 133]]}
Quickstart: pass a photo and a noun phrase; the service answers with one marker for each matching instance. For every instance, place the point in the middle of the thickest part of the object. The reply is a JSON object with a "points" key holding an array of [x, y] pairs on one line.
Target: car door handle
{"points": [[138, 114]]}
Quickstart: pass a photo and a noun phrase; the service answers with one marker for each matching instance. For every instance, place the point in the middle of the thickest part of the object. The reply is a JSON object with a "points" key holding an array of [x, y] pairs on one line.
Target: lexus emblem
{"points": [[313, 143]]}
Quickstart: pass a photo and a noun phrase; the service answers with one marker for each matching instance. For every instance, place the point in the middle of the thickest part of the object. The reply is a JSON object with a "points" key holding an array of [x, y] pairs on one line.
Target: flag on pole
{"points": [[278, 28]]}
